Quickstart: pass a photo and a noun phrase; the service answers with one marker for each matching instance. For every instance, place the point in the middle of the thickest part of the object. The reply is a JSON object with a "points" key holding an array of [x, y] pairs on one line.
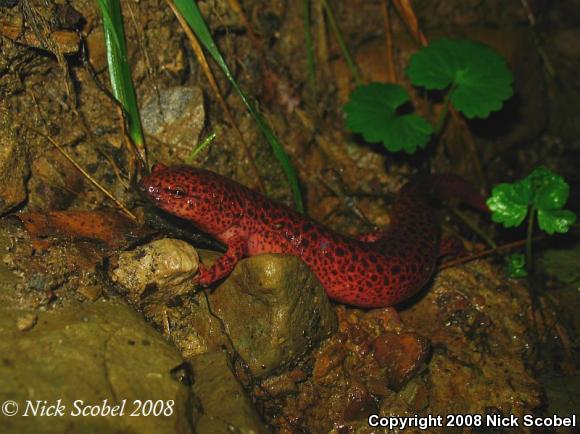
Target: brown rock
{"points": [[401, 354], [274, 309]]}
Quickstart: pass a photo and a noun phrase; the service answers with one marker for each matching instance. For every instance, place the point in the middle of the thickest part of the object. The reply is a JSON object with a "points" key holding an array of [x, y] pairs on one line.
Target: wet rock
{"points": [[481, 347], [274, 310], [402, 355], [487, 346], [360, 403], [90, 352], [14, 168], [174, 116], [195, 329], [159, 271], [226, 406]]}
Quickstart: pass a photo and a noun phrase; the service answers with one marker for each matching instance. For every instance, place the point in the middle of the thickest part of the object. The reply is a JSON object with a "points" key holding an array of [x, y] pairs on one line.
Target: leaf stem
{"points": [[445, 111], [529, 236]]}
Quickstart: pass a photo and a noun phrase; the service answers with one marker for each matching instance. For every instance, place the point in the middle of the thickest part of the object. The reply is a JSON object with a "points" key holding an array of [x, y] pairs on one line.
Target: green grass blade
{"points": [[191, 13], [119, 70], [200, 147]]}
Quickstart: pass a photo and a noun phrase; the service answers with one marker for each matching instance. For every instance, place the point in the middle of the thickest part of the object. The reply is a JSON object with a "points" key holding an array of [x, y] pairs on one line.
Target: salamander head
{"points": [[178, 190]]}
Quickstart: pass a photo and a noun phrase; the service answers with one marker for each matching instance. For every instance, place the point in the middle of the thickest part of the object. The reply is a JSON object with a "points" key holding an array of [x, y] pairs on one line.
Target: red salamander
{"points": [[376, 270]]}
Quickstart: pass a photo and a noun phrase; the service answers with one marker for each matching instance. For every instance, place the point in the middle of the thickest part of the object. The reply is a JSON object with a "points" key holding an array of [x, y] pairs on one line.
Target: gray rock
{"points": [[90, 352], [174, 116]]}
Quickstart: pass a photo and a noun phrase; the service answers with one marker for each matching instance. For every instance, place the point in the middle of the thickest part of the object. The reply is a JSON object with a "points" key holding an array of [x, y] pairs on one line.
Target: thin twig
{"points": [[465, 219], [86, 174], [485, 253], [391, 71]]}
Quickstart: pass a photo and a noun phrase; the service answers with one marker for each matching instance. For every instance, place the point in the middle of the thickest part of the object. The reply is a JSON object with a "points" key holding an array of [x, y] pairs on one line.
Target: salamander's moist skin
{"points": [[376, 270]]}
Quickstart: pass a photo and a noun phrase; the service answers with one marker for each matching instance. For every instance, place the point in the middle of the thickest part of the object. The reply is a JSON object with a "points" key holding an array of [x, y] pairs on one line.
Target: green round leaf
{"points": [[558, 220], [551, 190], [371, 112], [509, 203], [479, 77]]}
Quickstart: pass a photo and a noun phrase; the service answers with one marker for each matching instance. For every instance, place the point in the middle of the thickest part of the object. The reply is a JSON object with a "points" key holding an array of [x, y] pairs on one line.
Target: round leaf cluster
{"points": [[372, 112], [544, 190], [479, 78]]}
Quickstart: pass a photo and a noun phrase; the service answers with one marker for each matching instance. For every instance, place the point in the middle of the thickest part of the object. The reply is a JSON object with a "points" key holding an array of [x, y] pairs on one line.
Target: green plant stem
{"points": [[200, 147], [341, 43], [529, 237], [445, 111], [309, 48]]}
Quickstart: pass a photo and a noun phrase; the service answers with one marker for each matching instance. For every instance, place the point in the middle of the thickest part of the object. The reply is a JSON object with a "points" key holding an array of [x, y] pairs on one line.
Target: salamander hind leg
{"points": [[225, 264]]}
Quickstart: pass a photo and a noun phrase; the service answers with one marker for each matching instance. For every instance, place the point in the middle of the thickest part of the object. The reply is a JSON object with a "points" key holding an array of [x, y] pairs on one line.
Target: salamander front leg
{"points": [[225, 264]]}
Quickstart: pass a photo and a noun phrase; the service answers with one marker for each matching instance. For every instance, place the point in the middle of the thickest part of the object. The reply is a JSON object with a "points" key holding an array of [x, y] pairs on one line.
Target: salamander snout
{"points": [[149, 189]]}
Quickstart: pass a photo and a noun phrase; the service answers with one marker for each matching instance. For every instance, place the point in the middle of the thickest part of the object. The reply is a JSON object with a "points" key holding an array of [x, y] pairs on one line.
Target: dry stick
{"points": [[90, 135], [92, 180], [391, 72], [474, 227], [86, 174], [237, 8], [488, 252], [409, 17], [209, 75]]}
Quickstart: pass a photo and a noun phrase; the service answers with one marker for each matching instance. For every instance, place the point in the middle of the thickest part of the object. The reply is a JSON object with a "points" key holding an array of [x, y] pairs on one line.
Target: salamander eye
{"points": [[176, 192]]}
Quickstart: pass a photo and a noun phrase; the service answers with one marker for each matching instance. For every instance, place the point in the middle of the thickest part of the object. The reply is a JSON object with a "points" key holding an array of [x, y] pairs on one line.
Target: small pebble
{"points": [[91, 293], [26, 322]]}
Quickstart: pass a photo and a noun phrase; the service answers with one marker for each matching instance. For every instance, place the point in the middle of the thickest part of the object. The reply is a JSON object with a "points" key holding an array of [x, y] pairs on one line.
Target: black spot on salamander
{"points": [[395, 270]]}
